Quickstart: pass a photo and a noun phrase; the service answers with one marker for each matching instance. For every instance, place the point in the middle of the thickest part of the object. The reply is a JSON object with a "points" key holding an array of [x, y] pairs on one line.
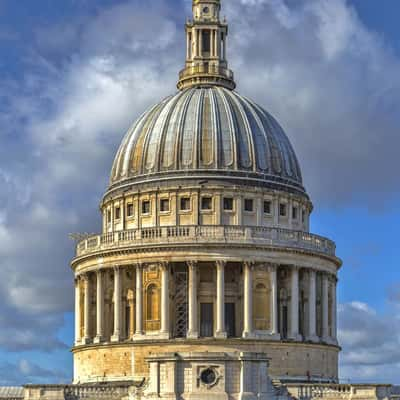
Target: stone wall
{"points": [[125, 361]]}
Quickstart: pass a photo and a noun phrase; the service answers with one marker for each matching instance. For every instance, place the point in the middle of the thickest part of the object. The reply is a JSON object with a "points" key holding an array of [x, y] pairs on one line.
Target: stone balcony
{"points": [[210, 235]]}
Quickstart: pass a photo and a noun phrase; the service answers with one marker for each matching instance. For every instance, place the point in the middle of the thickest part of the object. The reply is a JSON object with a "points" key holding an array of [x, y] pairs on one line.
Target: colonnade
{"points": [[327, 305]]}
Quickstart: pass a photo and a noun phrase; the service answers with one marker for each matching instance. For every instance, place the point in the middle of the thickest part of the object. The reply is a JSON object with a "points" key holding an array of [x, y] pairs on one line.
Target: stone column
{"points": [[78, 321], [248, 301], [276, 211], [220, 332], [131, 318], [312, 307], [193, 332], [290, 213], [325, 307], [273, 270], [334, 311], [294, 305], [139, 301], [99, 309], [86, 310], [188, 44], [165, 300], [117, 305], [216, 43]]}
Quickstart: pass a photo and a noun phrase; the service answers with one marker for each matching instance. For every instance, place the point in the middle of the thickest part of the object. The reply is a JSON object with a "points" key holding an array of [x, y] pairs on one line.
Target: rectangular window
{"points": [[294, 213], [129, 210], [185, 203], [206, 203], [267, 207], [164, 205], [248, 205], [109, 216], [303, 216], [146, 207], [282, 210], [228, 204], [117, 212], [206, 319], [206, 41]]}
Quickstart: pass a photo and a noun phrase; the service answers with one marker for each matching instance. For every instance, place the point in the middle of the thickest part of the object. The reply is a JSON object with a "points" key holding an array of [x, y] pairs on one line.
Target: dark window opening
{"points": [[109, 216], [206, 320], [129, 210], [206, 203], [294, 213], [145, 207], [185, 203], [282, 210], [267, 207], [117, 213], [230, 319], [228, 204], [248, 205], [206, 41], [164, 205]]}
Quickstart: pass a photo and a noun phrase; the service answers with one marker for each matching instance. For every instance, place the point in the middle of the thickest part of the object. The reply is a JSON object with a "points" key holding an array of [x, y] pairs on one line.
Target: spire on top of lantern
{"points": [[206, 63]]}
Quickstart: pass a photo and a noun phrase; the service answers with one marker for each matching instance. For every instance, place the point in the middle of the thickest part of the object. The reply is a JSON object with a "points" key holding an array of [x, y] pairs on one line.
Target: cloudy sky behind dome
{"points": [[75, 74]]}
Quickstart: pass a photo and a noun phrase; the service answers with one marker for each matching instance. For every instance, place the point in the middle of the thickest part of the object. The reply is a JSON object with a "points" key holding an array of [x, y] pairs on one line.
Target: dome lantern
{"points": [[206, 61]]}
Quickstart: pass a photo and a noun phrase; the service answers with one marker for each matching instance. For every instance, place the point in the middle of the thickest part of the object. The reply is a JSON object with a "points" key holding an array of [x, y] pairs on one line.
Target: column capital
{"points": [[249, 264], [220, 263], [272, 267], [85, 277], [138, 265], [191, 263], [163, 265], [117, 268]]}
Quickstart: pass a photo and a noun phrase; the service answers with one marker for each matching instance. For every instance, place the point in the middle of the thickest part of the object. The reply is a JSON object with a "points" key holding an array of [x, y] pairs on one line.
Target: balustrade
{"points": [[208, 233]]}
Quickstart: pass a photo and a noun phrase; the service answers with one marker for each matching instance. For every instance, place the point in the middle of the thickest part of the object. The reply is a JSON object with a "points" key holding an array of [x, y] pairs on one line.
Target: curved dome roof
{"points": [[207, 133]]}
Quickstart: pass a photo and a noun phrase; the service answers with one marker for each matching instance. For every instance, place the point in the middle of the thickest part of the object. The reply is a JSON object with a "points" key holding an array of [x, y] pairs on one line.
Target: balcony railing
{"points": [[208, 234]]}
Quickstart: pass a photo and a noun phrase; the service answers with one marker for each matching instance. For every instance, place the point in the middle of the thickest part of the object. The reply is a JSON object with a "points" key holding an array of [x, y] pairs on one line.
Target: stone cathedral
{"points": [[205, 282]]}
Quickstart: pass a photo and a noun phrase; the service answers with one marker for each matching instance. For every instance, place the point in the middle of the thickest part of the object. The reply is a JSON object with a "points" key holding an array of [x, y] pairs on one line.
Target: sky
{"points": [[75, 74]]}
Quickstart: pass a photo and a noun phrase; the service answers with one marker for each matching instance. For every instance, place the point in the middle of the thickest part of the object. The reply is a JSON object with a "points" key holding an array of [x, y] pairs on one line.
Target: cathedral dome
{"points": [[207, 133]]}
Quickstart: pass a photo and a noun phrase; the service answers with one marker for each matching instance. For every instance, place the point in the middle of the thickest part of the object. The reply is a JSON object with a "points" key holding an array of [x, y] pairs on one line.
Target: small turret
{"points": [[206, 62]]}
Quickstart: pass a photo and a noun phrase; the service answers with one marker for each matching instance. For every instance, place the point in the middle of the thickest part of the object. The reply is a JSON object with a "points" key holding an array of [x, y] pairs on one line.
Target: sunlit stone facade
{"points": [[205, 275]]}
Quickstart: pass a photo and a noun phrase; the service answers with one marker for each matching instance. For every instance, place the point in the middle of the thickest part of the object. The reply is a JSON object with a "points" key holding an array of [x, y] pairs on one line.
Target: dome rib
{"points": [[207, 132]]}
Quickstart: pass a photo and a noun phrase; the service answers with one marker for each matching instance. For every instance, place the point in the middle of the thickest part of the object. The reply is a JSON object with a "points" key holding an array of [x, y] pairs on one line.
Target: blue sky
{"points": [[327, 69]]}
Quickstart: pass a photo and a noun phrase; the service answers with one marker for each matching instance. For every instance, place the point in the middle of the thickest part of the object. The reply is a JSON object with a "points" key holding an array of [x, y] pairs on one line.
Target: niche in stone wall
{"points": [[152, 298]]}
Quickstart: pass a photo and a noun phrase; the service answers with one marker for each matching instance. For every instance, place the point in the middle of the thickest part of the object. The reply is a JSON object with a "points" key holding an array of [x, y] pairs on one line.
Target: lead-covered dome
{"points": [[207, 133]]}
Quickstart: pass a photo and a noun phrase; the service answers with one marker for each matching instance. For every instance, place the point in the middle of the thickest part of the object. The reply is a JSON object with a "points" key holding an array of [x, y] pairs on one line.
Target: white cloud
{"points": [[371, 343]]}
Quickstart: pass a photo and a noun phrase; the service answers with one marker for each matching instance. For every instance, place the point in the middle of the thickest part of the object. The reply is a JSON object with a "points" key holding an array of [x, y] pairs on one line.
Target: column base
{"points": [[274, 336], [86, 340], [313, 338], [192, 335], [220, 335], [138, 336], [330, 341], [115, 338], [164, 335], [98, 339], [296, 337], [249, 335]]}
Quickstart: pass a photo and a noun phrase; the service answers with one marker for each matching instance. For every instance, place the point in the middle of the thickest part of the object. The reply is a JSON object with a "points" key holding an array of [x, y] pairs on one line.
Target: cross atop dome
{"points": [[206, 62]]}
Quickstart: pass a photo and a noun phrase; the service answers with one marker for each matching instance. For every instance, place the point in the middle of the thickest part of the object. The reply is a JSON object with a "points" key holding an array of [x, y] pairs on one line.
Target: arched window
{"points": [[152, 308], [261, 307]]}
